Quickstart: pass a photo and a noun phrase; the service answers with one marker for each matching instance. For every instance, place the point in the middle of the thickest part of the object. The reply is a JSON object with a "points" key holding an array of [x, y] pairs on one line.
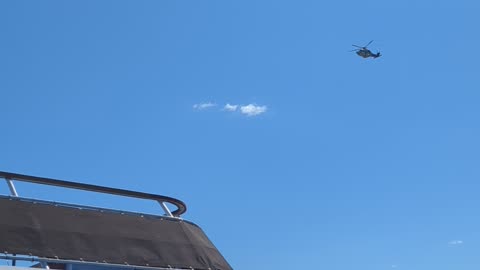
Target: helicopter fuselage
{"points": [[365, 53]]}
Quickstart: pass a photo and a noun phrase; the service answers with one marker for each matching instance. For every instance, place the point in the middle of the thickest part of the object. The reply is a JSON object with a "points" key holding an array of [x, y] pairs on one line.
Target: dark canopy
{"points": [[46, 230]]}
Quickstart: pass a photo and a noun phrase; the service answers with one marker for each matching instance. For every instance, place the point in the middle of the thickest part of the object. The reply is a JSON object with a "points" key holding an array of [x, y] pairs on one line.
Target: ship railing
{"points": [[162, 200], [44, 263]]}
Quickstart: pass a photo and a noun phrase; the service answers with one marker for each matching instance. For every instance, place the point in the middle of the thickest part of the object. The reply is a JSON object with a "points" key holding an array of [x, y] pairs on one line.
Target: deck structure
{"points": [[79, 237]]}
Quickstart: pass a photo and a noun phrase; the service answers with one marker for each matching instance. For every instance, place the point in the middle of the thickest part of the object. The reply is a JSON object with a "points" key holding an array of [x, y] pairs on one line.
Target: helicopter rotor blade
{"points": [[354, 50], [368, 43], [357, 46]]}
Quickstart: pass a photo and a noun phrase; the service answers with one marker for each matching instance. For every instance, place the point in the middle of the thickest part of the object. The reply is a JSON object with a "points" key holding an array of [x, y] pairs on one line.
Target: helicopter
{"points": [[364, 52]]}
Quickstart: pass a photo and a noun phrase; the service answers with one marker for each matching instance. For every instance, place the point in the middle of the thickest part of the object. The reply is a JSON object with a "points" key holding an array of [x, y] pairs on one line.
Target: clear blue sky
{"points": [[353, 164]]}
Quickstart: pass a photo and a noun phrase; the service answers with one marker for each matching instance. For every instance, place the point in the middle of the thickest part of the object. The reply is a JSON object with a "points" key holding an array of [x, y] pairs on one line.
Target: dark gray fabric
{"points": [[68, 233]]}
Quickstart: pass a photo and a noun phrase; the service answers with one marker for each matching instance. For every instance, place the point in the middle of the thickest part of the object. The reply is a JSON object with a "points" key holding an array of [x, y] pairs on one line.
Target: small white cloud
{"points": [[455, 242], [252, 110], [203, 106], [229, 107]]}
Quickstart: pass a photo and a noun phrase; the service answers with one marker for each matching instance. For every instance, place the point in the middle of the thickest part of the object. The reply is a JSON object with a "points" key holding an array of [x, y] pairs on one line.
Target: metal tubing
{"points": [[165, 208], [181, 207], [11, 187], [48, 260]]}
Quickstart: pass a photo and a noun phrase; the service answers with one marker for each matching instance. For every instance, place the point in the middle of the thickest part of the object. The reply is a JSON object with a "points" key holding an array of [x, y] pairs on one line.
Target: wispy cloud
{"points": [[203, 106], [394, 266], [455, 242], [229, 107], [252, 110], [248, 110]]}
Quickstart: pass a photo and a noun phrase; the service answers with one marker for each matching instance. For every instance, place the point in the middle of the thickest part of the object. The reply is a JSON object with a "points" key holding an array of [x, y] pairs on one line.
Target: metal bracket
{"points": [[11, 187], [165, 208]]}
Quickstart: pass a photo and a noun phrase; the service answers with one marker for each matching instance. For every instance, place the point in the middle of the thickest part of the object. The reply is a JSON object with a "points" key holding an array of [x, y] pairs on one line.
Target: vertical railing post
{"points": [[44, 265], [165, 208], [11, 187]]}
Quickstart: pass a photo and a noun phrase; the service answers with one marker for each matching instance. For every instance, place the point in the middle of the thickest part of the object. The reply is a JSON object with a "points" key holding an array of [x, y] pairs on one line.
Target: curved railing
{"points": [[162, 200]]}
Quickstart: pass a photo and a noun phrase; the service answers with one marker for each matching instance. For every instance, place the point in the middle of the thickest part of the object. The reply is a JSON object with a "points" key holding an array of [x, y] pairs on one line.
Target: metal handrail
{"points": [[53, 260], [181, 207]]}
